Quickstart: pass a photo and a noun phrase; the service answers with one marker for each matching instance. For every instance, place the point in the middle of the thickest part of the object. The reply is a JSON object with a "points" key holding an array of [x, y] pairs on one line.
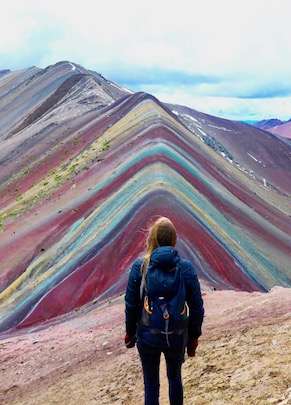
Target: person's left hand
{"points": [[191, 347], [129, 341]]}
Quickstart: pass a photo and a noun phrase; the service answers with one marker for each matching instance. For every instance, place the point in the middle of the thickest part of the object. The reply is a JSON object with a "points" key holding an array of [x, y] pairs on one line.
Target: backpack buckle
{"points": [[146, 305]]}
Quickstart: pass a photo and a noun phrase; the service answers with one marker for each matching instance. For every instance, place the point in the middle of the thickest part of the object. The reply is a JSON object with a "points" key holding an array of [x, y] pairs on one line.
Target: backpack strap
{"points": [[142, 284], [174, 331]]}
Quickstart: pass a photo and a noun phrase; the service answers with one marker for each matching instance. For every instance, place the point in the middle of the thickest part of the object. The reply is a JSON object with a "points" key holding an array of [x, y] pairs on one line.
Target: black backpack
{"points": [[168, 314]]}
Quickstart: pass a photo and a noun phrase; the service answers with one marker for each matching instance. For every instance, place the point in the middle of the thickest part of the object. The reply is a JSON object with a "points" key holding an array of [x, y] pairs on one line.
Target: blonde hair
{"points": [[161, 232]]}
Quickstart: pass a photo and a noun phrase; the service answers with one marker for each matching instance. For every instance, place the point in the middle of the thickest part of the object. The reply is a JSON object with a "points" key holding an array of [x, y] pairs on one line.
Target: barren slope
{"points": [[244, 357]]}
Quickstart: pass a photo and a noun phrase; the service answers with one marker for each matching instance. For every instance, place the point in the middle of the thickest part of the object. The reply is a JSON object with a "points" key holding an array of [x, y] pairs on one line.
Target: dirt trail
{"points": [[244, 357]]}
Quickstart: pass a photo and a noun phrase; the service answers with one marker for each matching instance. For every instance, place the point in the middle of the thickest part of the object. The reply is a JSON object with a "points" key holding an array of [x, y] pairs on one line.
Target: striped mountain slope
{"points": [[86, 167]]}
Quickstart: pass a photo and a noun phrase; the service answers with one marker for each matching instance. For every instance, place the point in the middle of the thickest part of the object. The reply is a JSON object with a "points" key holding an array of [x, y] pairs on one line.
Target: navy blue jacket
{"points": [[165, 257]]}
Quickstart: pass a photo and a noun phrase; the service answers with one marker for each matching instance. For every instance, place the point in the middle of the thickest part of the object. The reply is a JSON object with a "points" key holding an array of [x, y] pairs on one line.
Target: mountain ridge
{"points": [[82, 175], [279, 128]]}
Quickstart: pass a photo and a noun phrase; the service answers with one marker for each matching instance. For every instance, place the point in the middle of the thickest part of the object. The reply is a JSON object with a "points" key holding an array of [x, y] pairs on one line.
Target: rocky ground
{"points": [[244, 356]]}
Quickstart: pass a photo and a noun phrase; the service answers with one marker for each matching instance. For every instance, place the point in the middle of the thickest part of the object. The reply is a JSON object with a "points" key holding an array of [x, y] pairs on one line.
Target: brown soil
{"points": [[244, 357]]}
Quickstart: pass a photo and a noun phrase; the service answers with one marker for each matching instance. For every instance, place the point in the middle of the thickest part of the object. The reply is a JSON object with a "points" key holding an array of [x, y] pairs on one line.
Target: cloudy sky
{"points": [[230, 58]]}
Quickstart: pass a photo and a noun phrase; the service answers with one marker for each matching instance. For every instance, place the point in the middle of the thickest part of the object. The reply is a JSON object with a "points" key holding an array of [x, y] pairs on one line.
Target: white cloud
{"points": [[244, 42], [226, 107]]}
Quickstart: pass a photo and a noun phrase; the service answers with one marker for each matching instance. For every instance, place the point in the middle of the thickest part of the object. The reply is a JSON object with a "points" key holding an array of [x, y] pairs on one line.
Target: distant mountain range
{"points": [[275, 126]]}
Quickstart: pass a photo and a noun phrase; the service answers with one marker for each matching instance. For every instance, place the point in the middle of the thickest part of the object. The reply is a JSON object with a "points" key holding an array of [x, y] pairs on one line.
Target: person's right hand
{"points": [[191, 347]]}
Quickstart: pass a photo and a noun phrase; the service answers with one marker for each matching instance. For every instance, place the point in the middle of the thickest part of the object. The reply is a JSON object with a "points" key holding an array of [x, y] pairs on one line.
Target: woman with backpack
{"points": [[163, 310]]}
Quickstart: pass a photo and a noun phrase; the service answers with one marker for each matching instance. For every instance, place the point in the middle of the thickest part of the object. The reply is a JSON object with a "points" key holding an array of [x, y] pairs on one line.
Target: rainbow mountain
{"points": [[86, 164]]}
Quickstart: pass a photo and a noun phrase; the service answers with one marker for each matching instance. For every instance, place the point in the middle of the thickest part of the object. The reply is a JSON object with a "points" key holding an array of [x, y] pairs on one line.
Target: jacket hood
{"points": [[165, 257]]}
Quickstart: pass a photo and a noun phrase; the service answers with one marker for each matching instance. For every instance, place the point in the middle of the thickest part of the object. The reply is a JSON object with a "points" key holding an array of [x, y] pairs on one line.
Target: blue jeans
{"points": [[150, 359]]}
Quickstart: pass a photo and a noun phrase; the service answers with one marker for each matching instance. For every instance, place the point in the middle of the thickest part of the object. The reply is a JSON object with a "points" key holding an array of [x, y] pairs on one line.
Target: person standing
{"points": [[164, 311]]}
